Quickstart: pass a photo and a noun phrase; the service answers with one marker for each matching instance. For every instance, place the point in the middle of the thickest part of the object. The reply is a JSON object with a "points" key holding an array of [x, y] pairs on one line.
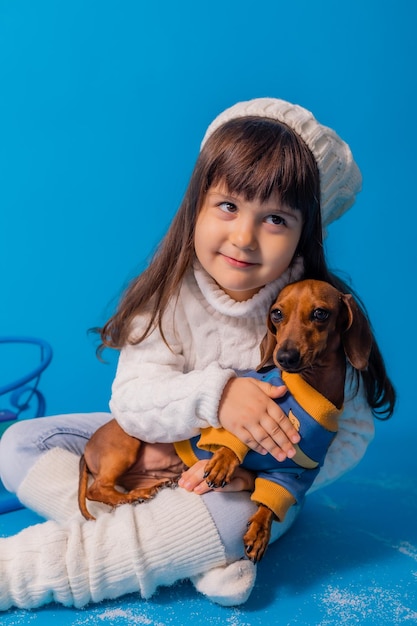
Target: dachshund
{"points": [[312, 331]]}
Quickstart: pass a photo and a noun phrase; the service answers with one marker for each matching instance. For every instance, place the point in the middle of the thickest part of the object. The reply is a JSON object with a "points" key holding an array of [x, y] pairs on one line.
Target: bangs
{"points": [[256, 157]]}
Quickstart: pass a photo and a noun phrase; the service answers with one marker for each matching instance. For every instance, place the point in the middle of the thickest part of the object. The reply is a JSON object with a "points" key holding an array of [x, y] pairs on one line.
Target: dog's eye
{"points": [[320, 315], [276, 316]]}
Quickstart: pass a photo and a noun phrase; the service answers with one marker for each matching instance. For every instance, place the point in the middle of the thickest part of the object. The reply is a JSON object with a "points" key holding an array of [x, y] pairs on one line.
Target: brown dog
{"points": [[312, 329]]}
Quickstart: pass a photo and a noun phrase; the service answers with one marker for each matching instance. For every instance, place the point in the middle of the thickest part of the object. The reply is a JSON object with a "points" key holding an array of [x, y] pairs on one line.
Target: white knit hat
{"points": [[340, 178]]}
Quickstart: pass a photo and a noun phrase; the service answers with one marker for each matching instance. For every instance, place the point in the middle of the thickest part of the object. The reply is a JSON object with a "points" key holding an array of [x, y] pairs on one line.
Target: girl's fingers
{"points": [[269, 436], [193, 478], [279, 422]]}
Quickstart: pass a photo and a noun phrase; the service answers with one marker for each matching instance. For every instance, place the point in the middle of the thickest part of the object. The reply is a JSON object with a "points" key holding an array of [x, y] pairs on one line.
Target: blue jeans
{"points": [[23, 443]]}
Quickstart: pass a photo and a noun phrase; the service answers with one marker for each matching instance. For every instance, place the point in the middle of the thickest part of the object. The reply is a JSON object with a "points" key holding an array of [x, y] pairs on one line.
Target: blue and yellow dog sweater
{"points": [[278, 485]]}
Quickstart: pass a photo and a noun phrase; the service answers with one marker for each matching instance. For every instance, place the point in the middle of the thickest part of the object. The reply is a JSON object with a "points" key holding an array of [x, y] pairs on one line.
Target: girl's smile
{"points": [[245, 244], [237, 263]]}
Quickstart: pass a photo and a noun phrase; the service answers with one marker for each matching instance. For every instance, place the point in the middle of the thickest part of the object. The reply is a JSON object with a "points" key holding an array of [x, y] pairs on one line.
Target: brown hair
{"points": [[253, 157]]}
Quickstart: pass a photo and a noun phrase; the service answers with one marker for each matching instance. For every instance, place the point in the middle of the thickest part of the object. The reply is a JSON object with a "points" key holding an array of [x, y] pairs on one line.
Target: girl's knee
{"points": [[12, 445], [26, 441], [15, 437]]}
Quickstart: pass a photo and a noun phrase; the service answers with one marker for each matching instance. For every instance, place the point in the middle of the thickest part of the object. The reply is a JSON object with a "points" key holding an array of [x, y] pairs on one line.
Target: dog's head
{"points": [[309, 321]]}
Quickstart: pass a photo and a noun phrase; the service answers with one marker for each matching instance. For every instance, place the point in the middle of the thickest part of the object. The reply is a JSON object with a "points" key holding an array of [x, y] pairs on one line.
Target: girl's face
{"points": [[245, 244]]}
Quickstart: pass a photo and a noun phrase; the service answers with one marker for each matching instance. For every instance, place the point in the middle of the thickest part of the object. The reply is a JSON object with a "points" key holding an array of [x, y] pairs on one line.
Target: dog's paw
{"points": [[257, 537], [255, 548], [220, 468]]}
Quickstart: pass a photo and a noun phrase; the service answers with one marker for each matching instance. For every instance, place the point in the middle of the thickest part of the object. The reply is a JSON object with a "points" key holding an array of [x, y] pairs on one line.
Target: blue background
{"points": [[102, 109]]}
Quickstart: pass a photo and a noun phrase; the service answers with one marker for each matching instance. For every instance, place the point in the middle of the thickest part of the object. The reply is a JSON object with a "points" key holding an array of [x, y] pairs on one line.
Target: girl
{"points": [[268, 178]]}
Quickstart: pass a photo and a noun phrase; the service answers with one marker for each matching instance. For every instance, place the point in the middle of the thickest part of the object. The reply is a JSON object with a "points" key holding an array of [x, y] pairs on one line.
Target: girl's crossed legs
{"points": [[40, 463]]}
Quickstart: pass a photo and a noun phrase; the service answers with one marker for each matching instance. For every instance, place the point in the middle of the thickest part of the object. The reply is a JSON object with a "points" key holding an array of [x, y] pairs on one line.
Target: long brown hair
{"points": [[253, 157]]}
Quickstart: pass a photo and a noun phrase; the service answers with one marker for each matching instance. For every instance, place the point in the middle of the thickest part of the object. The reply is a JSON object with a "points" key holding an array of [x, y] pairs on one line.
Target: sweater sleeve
{"points": [[156, 398], [356, 431]]}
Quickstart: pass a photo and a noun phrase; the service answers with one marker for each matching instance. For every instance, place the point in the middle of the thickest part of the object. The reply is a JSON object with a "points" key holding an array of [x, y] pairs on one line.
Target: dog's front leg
{"points": [[221, 467], [257, 536]]}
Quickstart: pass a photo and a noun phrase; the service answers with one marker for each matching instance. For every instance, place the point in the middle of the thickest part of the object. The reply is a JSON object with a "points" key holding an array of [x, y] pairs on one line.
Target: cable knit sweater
{"points": [[168, 394]]}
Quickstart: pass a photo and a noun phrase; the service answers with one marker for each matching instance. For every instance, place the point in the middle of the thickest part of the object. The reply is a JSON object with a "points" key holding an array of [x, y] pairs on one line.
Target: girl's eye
{"points": [[276, 316], [228, 207], [320, 315], [276, 220]]}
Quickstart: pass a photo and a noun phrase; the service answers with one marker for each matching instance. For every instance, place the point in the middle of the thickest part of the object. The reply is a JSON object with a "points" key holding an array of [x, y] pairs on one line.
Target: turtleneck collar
{"points": [[259, 303]]}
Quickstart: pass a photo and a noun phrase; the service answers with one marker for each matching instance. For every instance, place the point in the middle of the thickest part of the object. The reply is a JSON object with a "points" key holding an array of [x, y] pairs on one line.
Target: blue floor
{"points": [[350, 559]]}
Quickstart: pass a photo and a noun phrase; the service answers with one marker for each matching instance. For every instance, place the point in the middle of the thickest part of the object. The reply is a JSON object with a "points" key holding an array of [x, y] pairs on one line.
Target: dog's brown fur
{"points": [[312, 329]]}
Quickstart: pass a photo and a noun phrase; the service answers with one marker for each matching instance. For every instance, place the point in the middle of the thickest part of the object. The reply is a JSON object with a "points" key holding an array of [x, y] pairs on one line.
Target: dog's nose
{"points": [[288, 359]]}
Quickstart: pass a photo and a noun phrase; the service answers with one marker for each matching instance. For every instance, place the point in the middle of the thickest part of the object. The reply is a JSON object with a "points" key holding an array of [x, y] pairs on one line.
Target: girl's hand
{"points": [[248, 411], [193, 480]]}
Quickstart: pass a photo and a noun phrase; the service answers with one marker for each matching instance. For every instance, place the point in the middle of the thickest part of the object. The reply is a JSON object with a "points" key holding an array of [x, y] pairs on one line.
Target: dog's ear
{"points": [[357, 339], [268, 344]]}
